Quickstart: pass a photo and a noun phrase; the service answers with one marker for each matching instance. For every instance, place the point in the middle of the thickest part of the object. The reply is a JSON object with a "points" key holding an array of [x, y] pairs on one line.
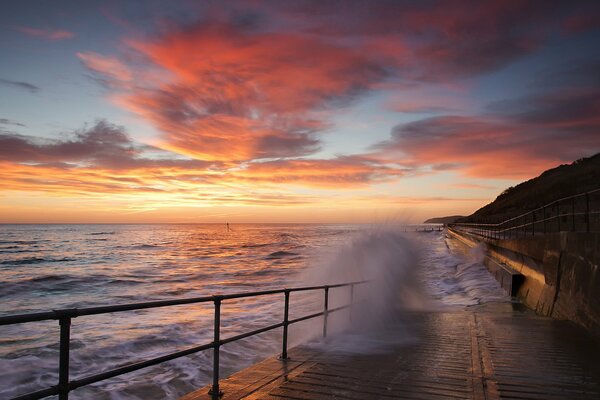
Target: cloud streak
{"points": [[6, 121], [20, 85], [107, 66], [103, 158], [47, 34]]}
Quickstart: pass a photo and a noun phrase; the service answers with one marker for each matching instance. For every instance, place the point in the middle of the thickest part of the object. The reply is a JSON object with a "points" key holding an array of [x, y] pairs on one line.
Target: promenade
{"points": [[495, 351]]}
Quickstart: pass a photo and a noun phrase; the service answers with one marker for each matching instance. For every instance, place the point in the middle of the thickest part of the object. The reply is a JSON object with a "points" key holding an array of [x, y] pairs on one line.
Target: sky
{"points": [[288, 111]]}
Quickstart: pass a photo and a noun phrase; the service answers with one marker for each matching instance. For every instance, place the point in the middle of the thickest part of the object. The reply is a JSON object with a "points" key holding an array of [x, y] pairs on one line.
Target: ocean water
{"points": [[45, 267]]}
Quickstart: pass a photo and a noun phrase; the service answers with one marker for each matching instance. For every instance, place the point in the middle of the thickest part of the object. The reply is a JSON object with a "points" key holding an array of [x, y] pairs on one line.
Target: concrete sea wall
{"points": [[554, 274]]}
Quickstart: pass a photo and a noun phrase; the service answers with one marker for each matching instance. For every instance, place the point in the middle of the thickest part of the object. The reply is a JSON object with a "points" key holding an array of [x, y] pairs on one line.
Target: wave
{"points": [[281, 254], [102, 233], [51, 278], [145, 246], [28, 242], [13, 250], [258, 245], [35, 260]]}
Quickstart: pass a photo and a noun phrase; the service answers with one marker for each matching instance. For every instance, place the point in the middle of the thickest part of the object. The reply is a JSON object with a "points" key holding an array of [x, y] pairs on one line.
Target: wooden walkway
{"points": [[488, 352]]}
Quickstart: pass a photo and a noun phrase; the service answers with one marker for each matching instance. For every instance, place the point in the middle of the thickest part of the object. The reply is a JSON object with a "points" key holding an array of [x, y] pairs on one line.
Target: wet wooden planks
{"points": [[481, 354], [532, 357]]}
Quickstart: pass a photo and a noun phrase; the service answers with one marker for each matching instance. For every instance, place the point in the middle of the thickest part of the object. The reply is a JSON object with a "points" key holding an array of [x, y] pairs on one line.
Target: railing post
{"points": [[573, 213], [325, 311], [286, 314], [544, 217], [63, 364], [215, 392], [587, 211], [558, 213], [351, 300], [533, 223]]}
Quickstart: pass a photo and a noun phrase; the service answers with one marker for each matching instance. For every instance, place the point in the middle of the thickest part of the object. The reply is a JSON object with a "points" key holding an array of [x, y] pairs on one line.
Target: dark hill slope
{"points": [[444, 220], [565, 180]]}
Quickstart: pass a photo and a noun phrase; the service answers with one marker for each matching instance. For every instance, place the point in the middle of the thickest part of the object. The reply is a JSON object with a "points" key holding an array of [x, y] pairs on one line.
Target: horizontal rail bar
{"points": [[552, 203], [548, 205], [511, 228], [68, 314], [75, 383], [293, 321], [251, 333], [40, 394], [23, 318], [331, 310], [77, 312]]}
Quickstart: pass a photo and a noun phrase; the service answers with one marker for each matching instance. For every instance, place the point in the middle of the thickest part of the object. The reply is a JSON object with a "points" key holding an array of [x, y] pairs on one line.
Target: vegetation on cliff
{"points": [[565, 180]]}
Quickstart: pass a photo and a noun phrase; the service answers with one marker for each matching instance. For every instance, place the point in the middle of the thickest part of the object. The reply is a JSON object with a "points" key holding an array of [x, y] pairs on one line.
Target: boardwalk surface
{"points": [[487, 352]]}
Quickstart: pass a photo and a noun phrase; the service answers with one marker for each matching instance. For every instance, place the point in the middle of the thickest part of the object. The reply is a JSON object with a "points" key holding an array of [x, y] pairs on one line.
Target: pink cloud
{"points": [[107, 66], [339, 172], [229, 94], [486, 147], [249, 82], [48, 34]]}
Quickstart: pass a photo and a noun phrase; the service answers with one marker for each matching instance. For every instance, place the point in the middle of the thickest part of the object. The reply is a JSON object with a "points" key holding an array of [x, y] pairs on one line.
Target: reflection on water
{"points": [[63, 266]]}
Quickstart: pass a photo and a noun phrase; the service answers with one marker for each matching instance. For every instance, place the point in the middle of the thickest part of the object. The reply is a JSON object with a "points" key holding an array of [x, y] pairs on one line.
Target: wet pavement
{"points": [[493, 351]]}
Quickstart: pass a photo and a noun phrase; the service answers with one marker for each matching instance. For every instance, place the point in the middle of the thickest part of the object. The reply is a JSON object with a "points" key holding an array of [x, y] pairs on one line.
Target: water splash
{"points": [[389, 261]]}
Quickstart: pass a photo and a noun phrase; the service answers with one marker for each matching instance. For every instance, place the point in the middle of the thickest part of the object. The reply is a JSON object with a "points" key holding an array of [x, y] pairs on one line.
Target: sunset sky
{"points": [[288, 111]]}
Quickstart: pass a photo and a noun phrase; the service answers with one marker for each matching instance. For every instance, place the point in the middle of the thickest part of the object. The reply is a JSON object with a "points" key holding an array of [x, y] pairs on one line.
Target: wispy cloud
{"points": [[107, 66], [20, 85], [48, 34], [102, 145], [104, 156], [6, 121], [515, 147]]}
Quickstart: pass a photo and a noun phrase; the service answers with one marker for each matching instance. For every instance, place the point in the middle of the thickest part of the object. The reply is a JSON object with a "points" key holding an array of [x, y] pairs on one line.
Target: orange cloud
{"points": [[247, 92], [338, 173], [249, 82], [232, 95], [103, 159]]}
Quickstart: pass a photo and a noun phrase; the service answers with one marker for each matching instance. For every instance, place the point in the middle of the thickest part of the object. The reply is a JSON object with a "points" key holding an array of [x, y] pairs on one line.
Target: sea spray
{"points": [[388, 261], [454, 275]]}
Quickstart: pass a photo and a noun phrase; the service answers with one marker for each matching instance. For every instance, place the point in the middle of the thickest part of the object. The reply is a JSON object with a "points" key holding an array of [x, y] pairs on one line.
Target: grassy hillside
{"points": [[565, 180]]}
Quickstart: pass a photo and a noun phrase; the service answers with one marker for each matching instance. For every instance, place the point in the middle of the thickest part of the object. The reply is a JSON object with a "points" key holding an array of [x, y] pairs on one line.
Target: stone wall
{"points": [[555, 274]]}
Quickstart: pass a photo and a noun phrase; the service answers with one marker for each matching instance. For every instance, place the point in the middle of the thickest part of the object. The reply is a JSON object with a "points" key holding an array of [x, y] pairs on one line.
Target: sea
{"points": [[49, 267]]}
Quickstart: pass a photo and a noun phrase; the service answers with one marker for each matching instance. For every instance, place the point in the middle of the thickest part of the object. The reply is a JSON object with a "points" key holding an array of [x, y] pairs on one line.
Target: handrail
{"points": [[529, 222], [64, 316]]}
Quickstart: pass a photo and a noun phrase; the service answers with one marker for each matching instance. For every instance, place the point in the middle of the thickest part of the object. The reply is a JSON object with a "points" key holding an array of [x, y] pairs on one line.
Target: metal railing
{"points": [[578, 213], [64, 317], [433, 227]]}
